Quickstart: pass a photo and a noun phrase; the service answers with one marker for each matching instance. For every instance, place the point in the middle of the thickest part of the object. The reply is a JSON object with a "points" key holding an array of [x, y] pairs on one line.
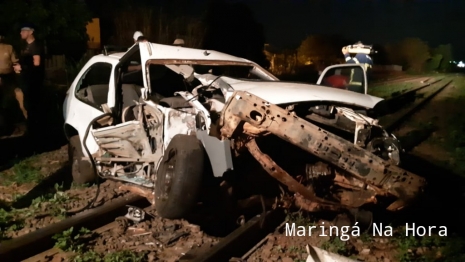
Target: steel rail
{"points": [[415, 89], [30, 244], [394, 124], [397, 80]]}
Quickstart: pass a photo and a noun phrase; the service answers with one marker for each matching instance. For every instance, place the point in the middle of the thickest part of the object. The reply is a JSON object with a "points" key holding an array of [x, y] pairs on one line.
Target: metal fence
{"points": [[55, 62], [55, 70]]}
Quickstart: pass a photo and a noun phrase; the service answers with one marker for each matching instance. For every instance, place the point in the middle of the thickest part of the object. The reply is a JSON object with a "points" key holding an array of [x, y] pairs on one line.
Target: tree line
{"points": [[319, 51], [62, 24]]}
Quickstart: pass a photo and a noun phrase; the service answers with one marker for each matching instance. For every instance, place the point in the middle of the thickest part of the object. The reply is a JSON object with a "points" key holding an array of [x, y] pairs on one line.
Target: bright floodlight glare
{"points": [[461, 64]]}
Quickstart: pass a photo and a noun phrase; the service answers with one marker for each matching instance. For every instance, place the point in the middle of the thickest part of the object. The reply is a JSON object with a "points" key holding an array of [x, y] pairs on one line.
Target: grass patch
{"points": [[299, 218], [385, 91], [336, 245], [24, 172], [455, 141], [51, 204], [428, 248], [76, 243]]}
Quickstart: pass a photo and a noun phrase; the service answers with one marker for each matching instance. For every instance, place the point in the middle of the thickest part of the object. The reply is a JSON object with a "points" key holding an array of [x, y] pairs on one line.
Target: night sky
{"points": [[437, 22]]}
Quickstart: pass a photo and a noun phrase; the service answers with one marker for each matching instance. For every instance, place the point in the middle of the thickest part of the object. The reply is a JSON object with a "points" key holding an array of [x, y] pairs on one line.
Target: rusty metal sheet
{"points": [[373, 170], [357, 198]]}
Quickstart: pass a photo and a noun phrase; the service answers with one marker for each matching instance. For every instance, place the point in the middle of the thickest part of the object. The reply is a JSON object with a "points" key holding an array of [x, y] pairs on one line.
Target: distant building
{"points": [[93, 31]]}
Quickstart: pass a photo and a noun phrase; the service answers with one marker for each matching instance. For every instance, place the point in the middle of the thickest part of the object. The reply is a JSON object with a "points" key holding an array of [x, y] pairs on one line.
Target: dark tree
{"points": [[381, 57], [61, 23], [160, 21], [232, 28]]}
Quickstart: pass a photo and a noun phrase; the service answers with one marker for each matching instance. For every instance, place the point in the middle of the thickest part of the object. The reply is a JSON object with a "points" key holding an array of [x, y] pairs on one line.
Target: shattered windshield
{"points": [[168, 76], [233, 71]]}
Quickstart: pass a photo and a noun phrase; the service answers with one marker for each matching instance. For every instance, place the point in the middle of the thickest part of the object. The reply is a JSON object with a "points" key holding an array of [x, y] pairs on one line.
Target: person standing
{"points": [[7, 83], [32, 73], [7, 60], [359, 58], [357, 77]]}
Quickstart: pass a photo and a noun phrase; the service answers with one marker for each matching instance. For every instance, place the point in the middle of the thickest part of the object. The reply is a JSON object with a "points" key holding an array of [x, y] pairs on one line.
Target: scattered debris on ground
{"points": [[154, 239]]}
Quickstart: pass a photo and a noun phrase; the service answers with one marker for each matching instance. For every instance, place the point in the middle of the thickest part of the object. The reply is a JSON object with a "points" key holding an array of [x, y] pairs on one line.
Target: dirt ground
{"points": [[155, 239], [37, 192], [25, 175]]}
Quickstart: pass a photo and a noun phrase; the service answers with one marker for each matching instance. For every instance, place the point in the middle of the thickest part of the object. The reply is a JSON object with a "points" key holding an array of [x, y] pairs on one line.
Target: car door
{"points": [[351, 77], [131, 138], [89, 91]]}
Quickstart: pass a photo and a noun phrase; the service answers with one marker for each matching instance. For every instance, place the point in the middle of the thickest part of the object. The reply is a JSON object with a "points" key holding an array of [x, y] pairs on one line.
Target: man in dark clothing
{"points": [[32, 73]]}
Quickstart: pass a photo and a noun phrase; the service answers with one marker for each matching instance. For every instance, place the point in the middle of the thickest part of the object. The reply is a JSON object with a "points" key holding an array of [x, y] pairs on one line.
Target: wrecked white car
{"points": [[158, 118]]}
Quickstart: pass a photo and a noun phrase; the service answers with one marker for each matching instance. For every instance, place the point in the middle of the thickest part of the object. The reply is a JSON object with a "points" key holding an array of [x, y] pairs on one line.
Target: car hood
{"points": [[279, 92]]}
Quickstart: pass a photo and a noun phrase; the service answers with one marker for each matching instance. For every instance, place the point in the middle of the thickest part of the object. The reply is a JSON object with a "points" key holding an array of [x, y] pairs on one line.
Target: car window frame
{"points": [[82, 77]]}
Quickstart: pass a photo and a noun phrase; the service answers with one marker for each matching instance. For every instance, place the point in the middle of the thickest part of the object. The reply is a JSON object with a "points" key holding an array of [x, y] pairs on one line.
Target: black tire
{"points": [[81, 170], [179, 177]]}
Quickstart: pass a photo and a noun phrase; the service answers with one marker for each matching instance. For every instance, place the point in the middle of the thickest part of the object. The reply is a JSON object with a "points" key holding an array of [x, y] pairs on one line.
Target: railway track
{"points": [[408, 103], [398, 80], [186, 242], [382, 80], [426, 82]]}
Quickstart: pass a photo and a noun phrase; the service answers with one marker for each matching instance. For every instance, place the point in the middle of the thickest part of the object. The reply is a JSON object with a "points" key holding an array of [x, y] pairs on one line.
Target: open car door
{"points": [[136, 133], [351, 77]]}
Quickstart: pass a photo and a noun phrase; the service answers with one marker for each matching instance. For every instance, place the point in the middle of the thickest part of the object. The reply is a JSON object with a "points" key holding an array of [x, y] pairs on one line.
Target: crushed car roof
{"points": [[160, 51]]}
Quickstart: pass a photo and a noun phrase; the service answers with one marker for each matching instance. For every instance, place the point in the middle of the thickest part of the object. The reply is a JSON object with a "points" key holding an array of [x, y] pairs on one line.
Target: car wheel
{"points": [[81, 170], [179, 177]]}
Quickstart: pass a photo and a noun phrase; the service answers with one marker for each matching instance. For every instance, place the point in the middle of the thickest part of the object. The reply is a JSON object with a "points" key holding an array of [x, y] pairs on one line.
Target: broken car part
{"points": [[135, 214], [187, 112], [350, 159]]}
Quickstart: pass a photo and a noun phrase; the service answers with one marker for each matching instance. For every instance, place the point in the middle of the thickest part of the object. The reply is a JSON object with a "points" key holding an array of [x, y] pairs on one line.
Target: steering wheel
{"points": [[203, 92]]}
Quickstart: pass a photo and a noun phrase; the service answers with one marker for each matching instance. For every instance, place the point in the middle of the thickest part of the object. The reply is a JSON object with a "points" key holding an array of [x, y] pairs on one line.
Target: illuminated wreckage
{"points": [[358, 175], [327, 156]]}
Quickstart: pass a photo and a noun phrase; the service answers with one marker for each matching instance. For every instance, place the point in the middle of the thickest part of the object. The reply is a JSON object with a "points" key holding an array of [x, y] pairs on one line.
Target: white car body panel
{"points": [[287, 92], [158, 51], [78, 114]]}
